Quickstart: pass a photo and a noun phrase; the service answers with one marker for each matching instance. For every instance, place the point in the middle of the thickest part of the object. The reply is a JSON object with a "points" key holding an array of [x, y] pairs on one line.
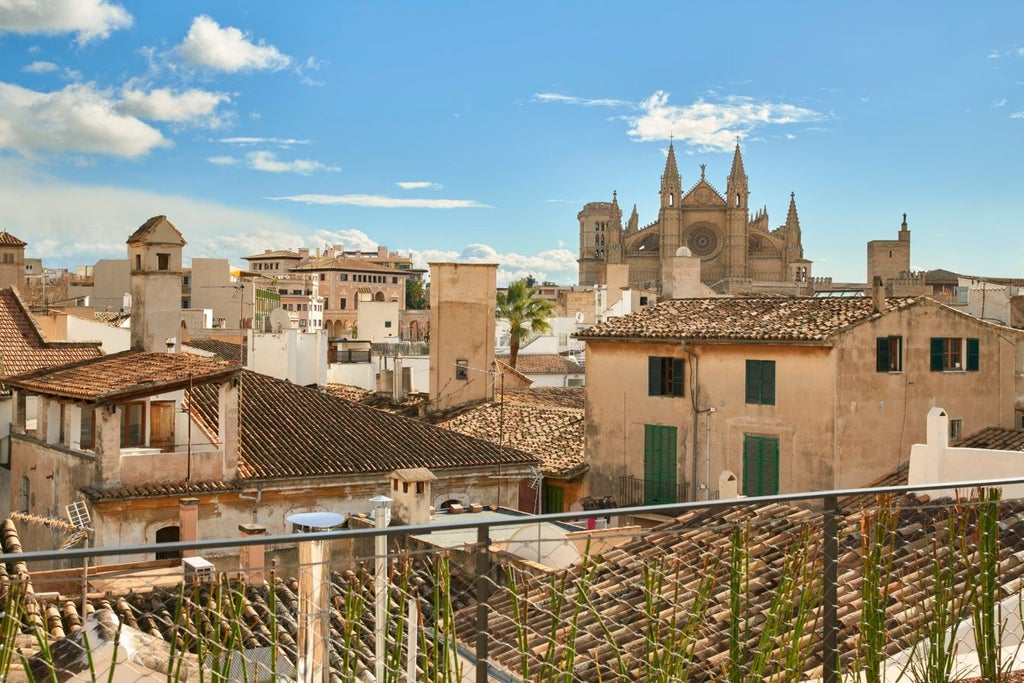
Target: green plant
{"points": [[986, 609], [877, 529]]}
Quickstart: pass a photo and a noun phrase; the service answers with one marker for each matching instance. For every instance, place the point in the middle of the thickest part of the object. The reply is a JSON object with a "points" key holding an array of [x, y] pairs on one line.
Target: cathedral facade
{"points": [[738, 251]]}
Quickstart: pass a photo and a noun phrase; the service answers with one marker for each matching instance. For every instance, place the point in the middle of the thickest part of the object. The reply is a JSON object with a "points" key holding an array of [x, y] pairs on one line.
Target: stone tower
{"points": [[12, 261], [889, 259], [154, 260], [600, 239]]}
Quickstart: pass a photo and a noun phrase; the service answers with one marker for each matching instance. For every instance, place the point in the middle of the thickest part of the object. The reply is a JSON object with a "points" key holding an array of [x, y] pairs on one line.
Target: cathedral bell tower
{"points": [[600, 240], [737, 194]]}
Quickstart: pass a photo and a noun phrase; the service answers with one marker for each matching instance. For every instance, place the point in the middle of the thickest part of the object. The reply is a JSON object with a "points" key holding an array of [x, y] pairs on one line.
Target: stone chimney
{"points": [[878, 294], [410, 491], [188, 523], [252, 557]]}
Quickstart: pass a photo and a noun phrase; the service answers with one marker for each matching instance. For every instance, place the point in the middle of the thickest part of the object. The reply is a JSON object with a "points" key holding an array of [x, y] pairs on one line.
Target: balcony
{"points": [[870, 584], [635, 491]]}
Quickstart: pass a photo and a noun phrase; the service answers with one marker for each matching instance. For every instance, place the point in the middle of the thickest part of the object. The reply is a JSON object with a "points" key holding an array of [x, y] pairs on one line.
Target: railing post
{"points": [[483, 593], [830, 606]]}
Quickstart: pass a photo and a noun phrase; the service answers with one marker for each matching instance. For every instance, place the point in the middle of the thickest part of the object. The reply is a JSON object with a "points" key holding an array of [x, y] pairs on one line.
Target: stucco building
{"points": [[786, 394], [12, 261], [738, 250]]}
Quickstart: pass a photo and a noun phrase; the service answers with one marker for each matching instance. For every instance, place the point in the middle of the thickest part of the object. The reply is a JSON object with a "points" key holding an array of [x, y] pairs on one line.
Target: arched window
{"points": [[448, 503], [168, 534], [671, 199]]}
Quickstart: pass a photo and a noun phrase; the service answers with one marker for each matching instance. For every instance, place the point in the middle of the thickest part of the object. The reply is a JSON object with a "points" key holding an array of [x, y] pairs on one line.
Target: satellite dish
{"points": [[544, 544], [279, 320]]}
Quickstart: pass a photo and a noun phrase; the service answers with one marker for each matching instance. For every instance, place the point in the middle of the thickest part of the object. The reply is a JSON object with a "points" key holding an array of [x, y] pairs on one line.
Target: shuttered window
{"points": [[664, 376], [659, 464], [889, 354], [554, 499], [760, 465], [951, 354], [761, 382]]}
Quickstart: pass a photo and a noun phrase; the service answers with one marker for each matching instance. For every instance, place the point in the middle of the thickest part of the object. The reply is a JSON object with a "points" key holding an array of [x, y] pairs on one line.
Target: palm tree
{"points": [[526, 312]]}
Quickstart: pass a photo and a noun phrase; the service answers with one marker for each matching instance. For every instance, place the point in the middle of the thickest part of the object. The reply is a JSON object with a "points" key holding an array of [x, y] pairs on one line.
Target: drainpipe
{"points": [[694, 388]]}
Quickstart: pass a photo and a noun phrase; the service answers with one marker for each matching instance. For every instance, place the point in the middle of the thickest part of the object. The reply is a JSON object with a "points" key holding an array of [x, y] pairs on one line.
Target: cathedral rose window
{"points": [[702, 242]]}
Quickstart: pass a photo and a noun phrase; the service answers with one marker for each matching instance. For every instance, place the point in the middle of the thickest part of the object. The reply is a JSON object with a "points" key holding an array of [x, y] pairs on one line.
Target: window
{"points": [[387, 323], [25, 496], [761, 382], [184, 280], [302, 323], [87, 432], [342, 303], [343, 277], [643, 301], [889, 354], [282, 291], [138, 262], [394, 280], [133, 424], [962, 295], [760, 465], [952, 354], [163, 261], [168, 534], [462, 369], [956, 429], [660, 464], [323, 277], [185, 303], [664, 376]]}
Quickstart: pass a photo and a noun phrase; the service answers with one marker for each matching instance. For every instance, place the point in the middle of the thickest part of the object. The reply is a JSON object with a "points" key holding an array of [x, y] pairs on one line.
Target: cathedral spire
{"points": [[634, 221], [671, 183], [736, 186], [792, 219]]}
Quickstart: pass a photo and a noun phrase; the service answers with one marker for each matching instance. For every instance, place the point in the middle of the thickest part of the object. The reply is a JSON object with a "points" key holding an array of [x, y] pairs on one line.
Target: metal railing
{"points": [[875, 583], [638, 491]]}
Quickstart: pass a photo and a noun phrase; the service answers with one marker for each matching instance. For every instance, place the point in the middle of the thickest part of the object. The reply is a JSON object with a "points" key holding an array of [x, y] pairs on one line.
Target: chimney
{"points": [[312, 641], [188, 523], [251, 557], [410, 490], [878, 295]]}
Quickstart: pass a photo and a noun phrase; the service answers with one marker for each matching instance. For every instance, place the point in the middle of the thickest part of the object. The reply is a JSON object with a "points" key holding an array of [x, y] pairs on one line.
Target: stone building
{"points": [[12, 261], [738, 251]]}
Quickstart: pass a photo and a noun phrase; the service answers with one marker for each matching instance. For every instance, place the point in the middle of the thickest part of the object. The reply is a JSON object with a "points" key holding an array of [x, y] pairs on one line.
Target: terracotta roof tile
{"points": [[174, 489], [543, 363], [293, 431], [9, 240], [22, 346], [223, 350], [146, 227], [995, 438], [553, 434], [279, 253], [743, 318], [123, 375]]}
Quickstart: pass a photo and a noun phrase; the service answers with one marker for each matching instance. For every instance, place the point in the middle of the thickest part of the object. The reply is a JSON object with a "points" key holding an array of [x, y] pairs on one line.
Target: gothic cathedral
{"points": [[737, 250]]}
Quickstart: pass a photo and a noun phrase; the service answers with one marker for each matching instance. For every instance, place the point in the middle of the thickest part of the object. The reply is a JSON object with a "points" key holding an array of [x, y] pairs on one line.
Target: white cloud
{"points": [[223, 161], [993, 55], [1017, 115], [228, 49], [267, 161], [249, 141], [790, 136], [163, 104], [999, 103], [711, 125], [586, 102], [78, 118], [40, 68], [419, 185], [380, 201], [555, 265], [88, 19]]}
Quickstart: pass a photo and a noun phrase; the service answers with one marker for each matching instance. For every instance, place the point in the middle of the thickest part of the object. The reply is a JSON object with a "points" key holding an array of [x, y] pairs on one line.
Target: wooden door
{"points": [[161, 425]]}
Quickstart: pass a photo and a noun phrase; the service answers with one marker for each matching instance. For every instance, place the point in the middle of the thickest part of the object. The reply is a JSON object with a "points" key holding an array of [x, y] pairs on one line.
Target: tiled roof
{"points": [[342, 263], [543, 363], [553, 434], [148, 226], [124, 375], [995, 438], [561, 397], [336, 436], [9, 240], [697, 544], [111, 318], [223, 350], [175, 489], [744, 318], [280, 253], [22, 346]]}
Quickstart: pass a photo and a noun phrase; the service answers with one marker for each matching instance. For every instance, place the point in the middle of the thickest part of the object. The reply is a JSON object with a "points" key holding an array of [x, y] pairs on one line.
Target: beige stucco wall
{"points": [[462, 302]]}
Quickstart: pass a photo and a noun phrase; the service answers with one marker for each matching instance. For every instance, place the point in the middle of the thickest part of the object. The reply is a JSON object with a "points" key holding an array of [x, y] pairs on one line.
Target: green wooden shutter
{"points": [[654, 376], [882, 354], [554, 499], [760, 465], [973, 351], [677, 376], [659, 464], [768, 382], [938, 358], [753, 382]]}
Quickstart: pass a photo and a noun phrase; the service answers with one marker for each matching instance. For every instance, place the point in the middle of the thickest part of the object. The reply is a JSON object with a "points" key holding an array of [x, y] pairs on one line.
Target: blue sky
{"points": [[476, 131]]}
